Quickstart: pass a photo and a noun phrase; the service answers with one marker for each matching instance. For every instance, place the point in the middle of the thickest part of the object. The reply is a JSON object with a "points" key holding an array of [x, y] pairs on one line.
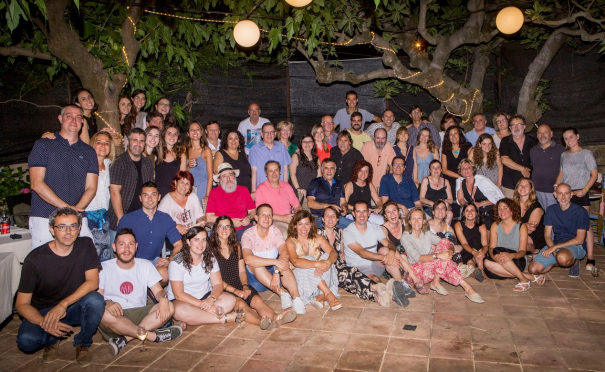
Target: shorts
{"points": [[255, 283], [372, 269], [577, 250], [135, 315], [584, 201]]}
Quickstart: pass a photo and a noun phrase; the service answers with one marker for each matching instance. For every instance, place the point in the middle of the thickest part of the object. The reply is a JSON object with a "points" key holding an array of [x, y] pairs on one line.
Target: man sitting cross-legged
{"points": [[569, 223], [123, 282], [267, 261]]}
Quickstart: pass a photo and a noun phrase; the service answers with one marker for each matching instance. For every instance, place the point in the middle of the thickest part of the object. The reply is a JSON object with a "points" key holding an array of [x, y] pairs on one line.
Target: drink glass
{"points": [[219, 312], [239, 317], [595, 274], [142, 335]]}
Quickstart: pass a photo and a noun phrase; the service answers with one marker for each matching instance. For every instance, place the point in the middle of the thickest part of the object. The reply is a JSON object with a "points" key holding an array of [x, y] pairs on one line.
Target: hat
{"points": [[224, 167]]}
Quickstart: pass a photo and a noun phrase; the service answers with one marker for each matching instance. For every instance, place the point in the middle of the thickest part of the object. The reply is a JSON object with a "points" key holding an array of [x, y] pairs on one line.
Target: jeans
{"points": [[343, 222], [86, 312]]}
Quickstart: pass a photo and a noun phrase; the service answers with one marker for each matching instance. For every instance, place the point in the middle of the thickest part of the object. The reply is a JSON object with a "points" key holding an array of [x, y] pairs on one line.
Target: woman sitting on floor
{"points": [[226, 250], [508, 242], [314, 271], [442, 229], [473, 237], [435, 187], [431, 256], [532, 214]]}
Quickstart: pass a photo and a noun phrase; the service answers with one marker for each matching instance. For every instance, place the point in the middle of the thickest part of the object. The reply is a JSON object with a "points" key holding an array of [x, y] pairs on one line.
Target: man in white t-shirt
{"points": [[267, 261], [123, 282], [251, 127], [361, 250]]}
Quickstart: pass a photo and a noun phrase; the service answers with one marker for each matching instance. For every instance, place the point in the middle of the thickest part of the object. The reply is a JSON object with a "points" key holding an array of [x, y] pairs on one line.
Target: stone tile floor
{"points": [[557, 327]]}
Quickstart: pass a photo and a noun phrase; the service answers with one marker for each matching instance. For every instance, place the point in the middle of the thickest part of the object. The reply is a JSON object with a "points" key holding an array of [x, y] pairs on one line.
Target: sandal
{"points": [[335, 304], [318, 304], [287, 316], [265, 323], [420, 289], [521, 287], [590, 264], [539, 279]]}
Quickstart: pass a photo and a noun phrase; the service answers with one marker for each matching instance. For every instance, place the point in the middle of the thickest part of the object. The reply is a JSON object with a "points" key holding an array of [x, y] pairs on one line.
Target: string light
{"points": [[188, 18], [452, 96], [436, 85], [125, 55]]}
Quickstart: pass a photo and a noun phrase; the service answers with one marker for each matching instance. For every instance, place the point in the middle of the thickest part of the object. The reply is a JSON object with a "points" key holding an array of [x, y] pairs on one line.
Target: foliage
{"points": [[12, 182], [541, 91]]}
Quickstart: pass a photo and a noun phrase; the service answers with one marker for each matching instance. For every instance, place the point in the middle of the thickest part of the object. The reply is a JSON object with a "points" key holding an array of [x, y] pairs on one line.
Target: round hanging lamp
{"points": [[509, 20], [299, 3], [246, 33]]}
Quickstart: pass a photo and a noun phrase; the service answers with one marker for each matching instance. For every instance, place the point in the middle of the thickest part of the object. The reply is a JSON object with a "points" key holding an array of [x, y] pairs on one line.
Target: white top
{"points": [[182, 216], [101, 199], [195, 283], [487, 187], [128, 287], [251, 132], [368, 241]]}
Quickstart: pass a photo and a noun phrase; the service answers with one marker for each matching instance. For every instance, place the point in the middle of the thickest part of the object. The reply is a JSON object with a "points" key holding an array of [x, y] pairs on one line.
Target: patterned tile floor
{"points": [[557, 327]]}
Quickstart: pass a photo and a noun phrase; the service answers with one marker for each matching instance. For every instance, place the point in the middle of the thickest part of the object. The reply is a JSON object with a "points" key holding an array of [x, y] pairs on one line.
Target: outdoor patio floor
{"points": [[556, 327]]}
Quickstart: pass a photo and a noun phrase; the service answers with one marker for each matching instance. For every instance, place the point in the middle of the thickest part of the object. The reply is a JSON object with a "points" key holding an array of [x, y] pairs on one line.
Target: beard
{"points": [[231, 188]]}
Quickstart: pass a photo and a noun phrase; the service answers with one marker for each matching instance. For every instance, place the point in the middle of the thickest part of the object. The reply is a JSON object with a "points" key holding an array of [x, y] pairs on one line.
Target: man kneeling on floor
{"points": [[124, 282]]}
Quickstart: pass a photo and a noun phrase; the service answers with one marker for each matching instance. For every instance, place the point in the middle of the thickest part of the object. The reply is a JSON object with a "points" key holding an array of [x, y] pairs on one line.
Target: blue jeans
{"points": [[87, 313], [255, 283], [343, 222]]}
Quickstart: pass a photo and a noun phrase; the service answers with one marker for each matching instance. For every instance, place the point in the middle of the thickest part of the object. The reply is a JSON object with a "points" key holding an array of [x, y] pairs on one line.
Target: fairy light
{"points": [[407, 77], [436, 85], [125, 55], [188, 18], [447, 100]]}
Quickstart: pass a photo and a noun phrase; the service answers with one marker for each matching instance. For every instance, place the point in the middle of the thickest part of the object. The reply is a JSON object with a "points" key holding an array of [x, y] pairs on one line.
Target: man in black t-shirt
{"points": [[58, 290]]}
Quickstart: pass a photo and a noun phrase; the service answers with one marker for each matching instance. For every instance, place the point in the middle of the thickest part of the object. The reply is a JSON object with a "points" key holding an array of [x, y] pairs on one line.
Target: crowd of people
{"points": [[152, 229]]}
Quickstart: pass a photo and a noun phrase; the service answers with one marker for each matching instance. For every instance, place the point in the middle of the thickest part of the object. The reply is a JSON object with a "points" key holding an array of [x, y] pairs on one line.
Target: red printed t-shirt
{"points": [[235, 204]]}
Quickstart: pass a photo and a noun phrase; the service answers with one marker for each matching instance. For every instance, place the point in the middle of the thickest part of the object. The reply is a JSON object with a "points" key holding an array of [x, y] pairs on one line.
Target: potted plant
{"points": [[14, 188]]}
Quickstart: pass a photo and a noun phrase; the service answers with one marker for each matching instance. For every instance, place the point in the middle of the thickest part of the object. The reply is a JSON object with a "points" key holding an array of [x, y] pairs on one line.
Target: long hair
{"points": [[447, 144], [304, 160], [478, 220], [130, 119], [298, 216], [189, 142], [158, 150], [514, 208], [492, 155], [178, 147], [430, 144], [314, 131], [112, 147], [241, 144], [169, 118], [425, 222], [76, 100], [532, 194], [445, 119], [357, 168], [186, 250], [214, 243]]}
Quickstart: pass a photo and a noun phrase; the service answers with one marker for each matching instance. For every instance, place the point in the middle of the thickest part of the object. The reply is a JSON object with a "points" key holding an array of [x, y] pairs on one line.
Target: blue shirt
{"points": [[404, 192], [260, 154], [324, 192], [150, 234], [67, 167], [472, 136], [566, 223]]}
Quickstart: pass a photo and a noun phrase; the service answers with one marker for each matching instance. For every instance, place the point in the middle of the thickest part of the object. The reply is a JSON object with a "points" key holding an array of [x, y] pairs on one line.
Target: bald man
{"points": [[327, 123], [569, 223], [251, 127], [545, 159]]}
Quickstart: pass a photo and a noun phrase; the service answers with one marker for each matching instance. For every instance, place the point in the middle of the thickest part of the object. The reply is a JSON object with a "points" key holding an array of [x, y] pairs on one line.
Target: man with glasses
{"points": [[262, 152], [58, 290], [327, 123], [418, 124], [230, 200], [250, 127], [514, 152], [389, 124], [344, 156], [343, 116], [380, 154], [400, 189], [63, 173], [479, 122]]}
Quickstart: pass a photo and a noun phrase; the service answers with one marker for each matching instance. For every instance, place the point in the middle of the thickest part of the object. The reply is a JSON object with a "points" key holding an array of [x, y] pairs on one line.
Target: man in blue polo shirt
{"points": [[63, 173], [400, 189], [326, 191], [569, 223], [262, 152], [151, 227]]}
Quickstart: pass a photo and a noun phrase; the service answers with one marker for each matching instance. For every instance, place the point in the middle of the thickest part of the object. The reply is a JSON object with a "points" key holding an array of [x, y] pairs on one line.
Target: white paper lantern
{"points": [[246, 33], [299, 3], [509, 20]]}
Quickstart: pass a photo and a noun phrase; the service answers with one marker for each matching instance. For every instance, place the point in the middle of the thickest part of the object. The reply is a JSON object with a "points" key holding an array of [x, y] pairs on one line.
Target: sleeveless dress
{"points": [[304, 174], [200, 177], [473, 238], [164, 173], [306, 280], [230, 272], [538, 235], [409, 160], [508, 243], [245, 170], [489, 173], [452, 163], [423, 166], [349, 278]]}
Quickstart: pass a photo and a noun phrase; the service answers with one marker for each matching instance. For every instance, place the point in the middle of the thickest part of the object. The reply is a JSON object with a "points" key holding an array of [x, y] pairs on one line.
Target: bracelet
{"points": [[62, 306], [585, 188], [245, 285]]}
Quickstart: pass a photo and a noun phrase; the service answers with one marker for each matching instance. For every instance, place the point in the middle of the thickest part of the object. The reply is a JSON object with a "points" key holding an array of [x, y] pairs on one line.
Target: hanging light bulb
{"points": [[299, 3], [509, 20], [246, 33]]}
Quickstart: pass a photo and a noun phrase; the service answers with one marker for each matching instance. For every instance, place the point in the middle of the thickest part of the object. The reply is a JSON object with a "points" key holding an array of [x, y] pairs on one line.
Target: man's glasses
{"points": [[62, 228]]}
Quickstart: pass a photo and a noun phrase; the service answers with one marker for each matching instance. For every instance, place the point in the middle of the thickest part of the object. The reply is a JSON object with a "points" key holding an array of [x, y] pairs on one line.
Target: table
{"points": [[21, 247], [10, 272]]}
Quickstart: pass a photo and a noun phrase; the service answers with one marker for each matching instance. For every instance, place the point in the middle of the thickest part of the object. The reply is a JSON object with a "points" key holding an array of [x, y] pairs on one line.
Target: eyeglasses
{"points": [[517, 125], [327, 122], [269, 132], [416, 112], [62, 228], [224, 176], [163, 104], [224, 227]]}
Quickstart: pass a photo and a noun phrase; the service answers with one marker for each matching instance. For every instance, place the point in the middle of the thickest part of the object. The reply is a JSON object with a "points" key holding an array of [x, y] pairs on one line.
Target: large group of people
{"points": [[150, 228]]}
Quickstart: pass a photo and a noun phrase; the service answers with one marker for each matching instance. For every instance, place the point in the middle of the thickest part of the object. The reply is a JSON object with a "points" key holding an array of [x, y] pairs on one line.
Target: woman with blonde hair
{"points": [[486, 158], [532, 214], [285, 130], [322, 145], [500, 121]]}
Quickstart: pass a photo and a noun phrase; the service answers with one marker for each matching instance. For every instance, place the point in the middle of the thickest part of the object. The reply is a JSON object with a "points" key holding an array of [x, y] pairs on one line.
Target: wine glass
{"points": [[595, 274], [219, 312], [142, 335], [239, 317]]}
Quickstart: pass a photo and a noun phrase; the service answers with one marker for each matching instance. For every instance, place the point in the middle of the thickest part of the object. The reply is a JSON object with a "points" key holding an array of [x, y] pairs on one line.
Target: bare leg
{"points": [[508, 270], [467, 288], [405, 265], [251, 316], [263, 310], [125, 327], [289, 281], [264, 276], [536, 268]]}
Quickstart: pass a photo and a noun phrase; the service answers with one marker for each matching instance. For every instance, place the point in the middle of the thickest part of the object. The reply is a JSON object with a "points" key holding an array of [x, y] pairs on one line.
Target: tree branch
{"points": [[584, 35], [17, 50], [434, 40], [571, 19]]}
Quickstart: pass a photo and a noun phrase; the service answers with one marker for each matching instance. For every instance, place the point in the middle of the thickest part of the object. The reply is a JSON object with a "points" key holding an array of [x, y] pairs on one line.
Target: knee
{"points": [[535, 268], [29, 342], [93, 300], [565, 258]]}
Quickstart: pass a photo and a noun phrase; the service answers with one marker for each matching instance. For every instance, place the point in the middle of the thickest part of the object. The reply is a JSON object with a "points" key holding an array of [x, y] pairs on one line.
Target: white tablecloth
{"points": [[21, 247], [10, 272]]}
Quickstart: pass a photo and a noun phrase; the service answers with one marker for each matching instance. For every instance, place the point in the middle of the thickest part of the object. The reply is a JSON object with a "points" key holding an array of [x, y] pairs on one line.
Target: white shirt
{"points": [[368, 241], [195, 283], [128, 287], [251, 132], [101, 199], [487, 187], [182, 216]]}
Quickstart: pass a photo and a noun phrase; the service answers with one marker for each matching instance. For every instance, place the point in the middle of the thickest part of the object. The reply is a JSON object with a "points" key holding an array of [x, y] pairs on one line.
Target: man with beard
{"points": [[123, 283], [358, 136], [379, 153], [154, 227], [569, 223], [155, 119], [514, 151], [127, 175], [231, 200], [58, 290], [345, 156], [389, 124], [344, 115], [545, 160]]}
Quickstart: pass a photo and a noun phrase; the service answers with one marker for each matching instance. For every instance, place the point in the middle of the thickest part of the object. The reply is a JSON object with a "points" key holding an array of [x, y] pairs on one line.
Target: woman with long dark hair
{"points": [[304, 166], [455, 148], [361, 188], [486, 157], [223, 245], [473, 237], [153, 145], [199, 160], [233, 151], [163, 106], [424, 153], [174, 159], [139, 98], [84, 99], [532, 214], [128, 115]]}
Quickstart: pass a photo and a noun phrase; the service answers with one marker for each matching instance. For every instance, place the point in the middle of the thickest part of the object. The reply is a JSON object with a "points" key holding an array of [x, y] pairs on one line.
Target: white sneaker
{"points": [[286, 300], [299, 306]]}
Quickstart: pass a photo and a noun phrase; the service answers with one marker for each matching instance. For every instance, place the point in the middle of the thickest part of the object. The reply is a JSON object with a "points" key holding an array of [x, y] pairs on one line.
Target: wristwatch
{"points": [[162, 296], [213, 298]]}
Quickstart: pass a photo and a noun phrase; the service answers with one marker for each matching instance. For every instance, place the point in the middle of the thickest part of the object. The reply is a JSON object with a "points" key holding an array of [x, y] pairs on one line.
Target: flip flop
{"points": [[420, 289], [539, 279]]}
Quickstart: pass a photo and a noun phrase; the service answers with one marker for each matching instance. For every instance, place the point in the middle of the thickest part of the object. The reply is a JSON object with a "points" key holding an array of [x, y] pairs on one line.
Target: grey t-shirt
{"points": [[576, 167], [343, 118], [368, 241]]}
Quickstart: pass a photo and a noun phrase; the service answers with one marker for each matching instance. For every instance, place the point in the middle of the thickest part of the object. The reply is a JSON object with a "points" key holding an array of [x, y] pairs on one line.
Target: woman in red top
{"points": [[323, 147]]}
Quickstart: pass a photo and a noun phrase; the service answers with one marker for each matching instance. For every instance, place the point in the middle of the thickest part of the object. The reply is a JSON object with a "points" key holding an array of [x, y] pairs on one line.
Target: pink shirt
{"points": [[265, 248], [235, 204], [370, 154], [281, 200]]}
